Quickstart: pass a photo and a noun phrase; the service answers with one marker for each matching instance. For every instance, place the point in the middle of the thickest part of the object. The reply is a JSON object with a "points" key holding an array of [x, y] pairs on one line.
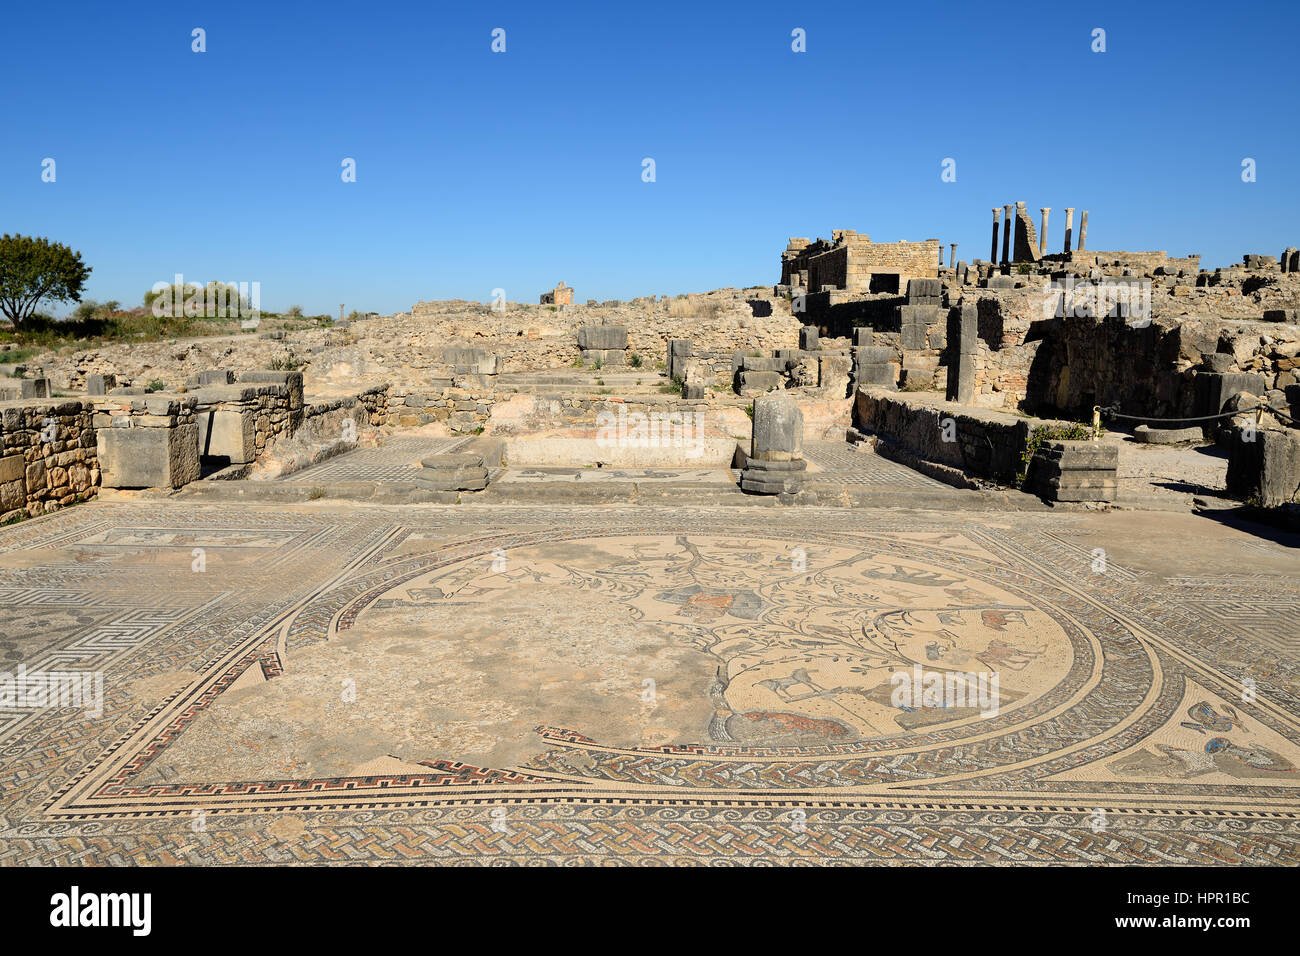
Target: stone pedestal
{"points": [[452, 473], [776, 464], [1075, 471]]}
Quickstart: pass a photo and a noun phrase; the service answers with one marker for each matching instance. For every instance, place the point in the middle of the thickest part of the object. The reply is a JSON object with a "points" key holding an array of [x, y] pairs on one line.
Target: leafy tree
{"points": [[34, 269]]}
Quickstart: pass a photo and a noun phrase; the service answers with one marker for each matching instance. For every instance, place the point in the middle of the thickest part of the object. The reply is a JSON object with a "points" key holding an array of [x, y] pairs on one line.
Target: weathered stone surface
{"points": [[808, 338], [758, 383], [602, 337], [1167, 436], [228, 433], [216, 376], [1265, 470], [604, 356], [100, 384], [148, 457], [778, 429]]}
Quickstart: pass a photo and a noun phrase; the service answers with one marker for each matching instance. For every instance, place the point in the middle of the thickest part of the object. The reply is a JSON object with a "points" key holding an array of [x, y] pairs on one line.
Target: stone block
{"points": [[1217, 362], [875, 355], [35, 388], [228, 433], [778, 429], [1266, 470], [100, 384], [757, 383], [602, 337], [833, 374], [874, 375], [1167, 436], [604, 356], [765, 363], [292, 380], [773, 477], [924, 288], [12, 468], [808, 338], [1002, 282], [678, 349], [216, 376], [148, 457]]}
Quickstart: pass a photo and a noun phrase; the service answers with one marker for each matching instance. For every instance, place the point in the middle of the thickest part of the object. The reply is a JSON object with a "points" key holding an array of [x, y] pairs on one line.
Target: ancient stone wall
{"points": [[48, 457]]}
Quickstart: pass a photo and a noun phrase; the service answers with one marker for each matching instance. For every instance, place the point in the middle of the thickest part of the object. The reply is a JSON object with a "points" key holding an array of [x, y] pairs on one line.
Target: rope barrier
{"points": [[1111, 413]]}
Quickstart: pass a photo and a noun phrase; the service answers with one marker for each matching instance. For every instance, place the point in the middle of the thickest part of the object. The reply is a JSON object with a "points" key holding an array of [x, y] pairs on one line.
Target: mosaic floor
{"points": [[672, 685], [398, 459]]}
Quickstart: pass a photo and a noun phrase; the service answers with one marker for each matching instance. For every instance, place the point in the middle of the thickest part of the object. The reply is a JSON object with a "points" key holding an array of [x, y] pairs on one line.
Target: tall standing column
{"points": [[941, 255], [993, 256], [1083, 230], [952, 257], [1042, 235], [1069, 228], [1006, 233]]}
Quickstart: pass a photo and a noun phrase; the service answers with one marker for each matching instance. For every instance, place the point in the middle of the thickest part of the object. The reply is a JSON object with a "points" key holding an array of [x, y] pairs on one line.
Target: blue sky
{"points": [[478, 170]]}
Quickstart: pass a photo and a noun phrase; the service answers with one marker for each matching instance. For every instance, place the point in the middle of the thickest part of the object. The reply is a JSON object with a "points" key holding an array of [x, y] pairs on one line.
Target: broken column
{"points": [[1042, 235], [952, 256], [1083, 230], [1069, 228], [776, 465], [993, 254], [1026, 244], [963, 334]]}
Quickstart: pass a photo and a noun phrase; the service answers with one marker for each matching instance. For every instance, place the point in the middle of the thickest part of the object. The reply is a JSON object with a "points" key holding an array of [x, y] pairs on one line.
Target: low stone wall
{"points": [[48, 457], [949, 442]]}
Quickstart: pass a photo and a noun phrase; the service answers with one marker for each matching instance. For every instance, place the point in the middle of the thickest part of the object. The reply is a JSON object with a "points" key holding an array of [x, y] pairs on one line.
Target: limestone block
{"points": [[757, 383], [808, 337], [773, 477], [602, 337], [778, 429], [148, 457], [216, 376], [1267, 469], [100, 384], [228, 433], [604, 356], [834, 374]]}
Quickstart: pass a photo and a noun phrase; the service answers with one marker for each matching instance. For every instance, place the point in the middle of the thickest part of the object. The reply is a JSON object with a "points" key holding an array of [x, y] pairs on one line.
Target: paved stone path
{"points": [[325, 682]]}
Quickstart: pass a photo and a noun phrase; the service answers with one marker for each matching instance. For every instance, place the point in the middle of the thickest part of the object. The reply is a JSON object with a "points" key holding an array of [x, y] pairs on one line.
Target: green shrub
{"points": [[157, 385], [635, 360]]}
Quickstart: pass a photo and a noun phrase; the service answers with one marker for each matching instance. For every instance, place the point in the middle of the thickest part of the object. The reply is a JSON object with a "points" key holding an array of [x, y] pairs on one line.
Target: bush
{"points": [[634, 360]]}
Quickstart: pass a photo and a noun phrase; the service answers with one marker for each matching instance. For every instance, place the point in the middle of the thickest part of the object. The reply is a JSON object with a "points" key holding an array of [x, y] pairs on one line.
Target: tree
{"points": [[34, 269]]}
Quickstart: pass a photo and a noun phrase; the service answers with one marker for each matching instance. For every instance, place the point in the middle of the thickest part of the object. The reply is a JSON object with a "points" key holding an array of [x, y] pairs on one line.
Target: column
{"points": [[1083, 230], [952, 256], [1006, 233], [1069, 228], [1042, 235], [993, 256]]}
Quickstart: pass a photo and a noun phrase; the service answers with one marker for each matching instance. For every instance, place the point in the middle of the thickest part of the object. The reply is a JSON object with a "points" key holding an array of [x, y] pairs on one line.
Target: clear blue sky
{"points": [[478, 170]]}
